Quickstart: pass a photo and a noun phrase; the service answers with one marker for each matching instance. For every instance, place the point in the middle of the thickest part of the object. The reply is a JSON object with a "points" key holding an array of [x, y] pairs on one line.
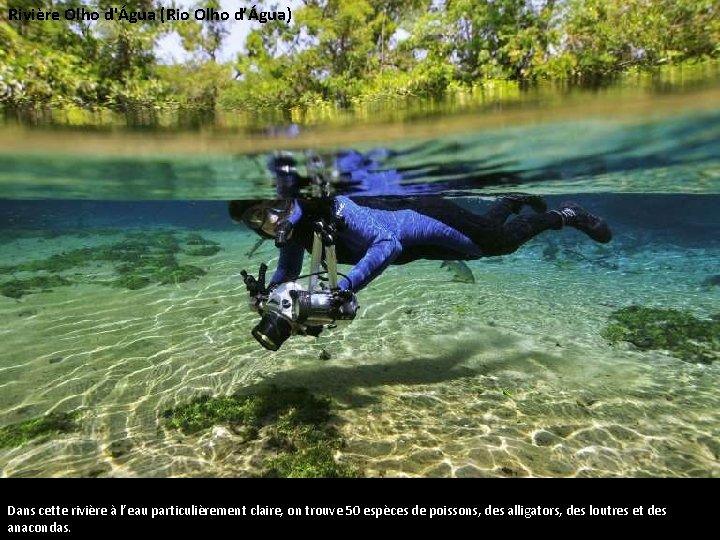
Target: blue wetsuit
{"points": [[372, 239], [395, 230], [363, 173]]}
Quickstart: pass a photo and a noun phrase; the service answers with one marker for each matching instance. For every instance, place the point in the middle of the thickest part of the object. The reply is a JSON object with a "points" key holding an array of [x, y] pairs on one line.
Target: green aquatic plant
{"points": [[614, 333], [58, 262], [205, 411], [132, 281], [51, 424], [17, 288], [140, 259], [179, 274], [316, 461], [195, 239], [296, 405], [310, 444], [682, 334], [204, 251], [296, 421], [121, 252], [460, 309], [164, 241]]}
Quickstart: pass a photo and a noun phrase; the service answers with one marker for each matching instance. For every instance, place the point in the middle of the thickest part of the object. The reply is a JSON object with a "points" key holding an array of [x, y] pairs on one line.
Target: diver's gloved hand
{"points": [[343, 295], [344, 284], [344, 303]]}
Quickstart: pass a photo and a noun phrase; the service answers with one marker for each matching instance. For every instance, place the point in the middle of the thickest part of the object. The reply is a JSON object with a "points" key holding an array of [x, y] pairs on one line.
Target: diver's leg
{"points": [[501, 210], [574, 215], [514, 234], [513, 204]]}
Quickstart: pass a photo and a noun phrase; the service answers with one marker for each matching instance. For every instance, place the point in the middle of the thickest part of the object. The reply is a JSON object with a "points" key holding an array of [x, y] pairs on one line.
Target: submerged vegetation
{"points": [[195, 239], [347, 54], [51, 424], [17, 288], [683, 335], [294, 422], [141, 259], [204, 251]]}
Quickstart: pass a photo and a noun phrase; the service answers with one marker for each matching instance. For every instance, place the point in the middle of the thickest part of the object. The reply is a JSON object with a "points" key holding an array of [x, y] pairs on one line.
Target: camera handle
{"points": [[323, 247], [255, 286]]}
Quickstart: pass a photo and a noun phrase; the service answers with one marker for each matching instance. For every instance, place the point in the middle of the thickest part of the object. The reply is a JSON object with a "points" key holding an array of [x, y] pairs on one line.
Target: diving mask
{"points": [[270, 217]]}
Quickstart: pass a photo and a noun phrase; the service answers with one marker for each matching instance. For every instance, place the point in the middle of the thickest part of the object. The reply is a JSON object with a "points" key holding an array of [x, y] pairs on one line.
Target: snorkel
{"points": [[284, 229]]}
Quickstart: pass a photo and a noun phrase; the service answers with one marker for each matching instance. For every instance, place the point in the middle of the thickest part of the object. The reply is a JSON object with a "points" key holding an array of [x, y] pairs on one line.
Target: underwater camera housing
{"points": [[290, 309]]}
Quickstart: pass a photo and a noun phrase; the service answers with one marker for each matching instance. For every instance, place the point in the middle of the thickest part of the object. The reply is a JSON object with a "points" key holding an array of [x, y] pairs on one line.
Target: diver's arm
{"points": [[378, 257], [384, 246], [289, 265]]}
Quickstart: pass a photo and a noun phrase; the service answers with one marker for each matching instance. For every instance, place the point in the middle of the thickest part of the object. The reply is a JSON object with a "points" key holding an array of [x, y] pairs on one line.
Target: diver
{"points": [[375, 232], [371, 233]]}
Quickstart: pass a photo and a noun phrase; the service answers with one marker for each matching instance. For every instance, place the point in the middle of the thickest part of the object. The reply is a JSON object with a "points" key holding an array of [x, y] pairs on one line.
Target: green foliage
{"points": [[601, 38], [484, 40], [51, 424], [294, 419], [196, 85], [341, 53], [62, 63], [683, 335], [349, 53], [331, 52], [204, 37]]}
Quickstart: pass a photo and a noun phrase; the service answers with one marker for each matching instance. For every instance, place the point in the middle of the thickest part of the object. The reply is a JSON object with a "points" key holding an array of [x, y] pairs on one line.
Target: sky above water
{"points": [[170, 48]]}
